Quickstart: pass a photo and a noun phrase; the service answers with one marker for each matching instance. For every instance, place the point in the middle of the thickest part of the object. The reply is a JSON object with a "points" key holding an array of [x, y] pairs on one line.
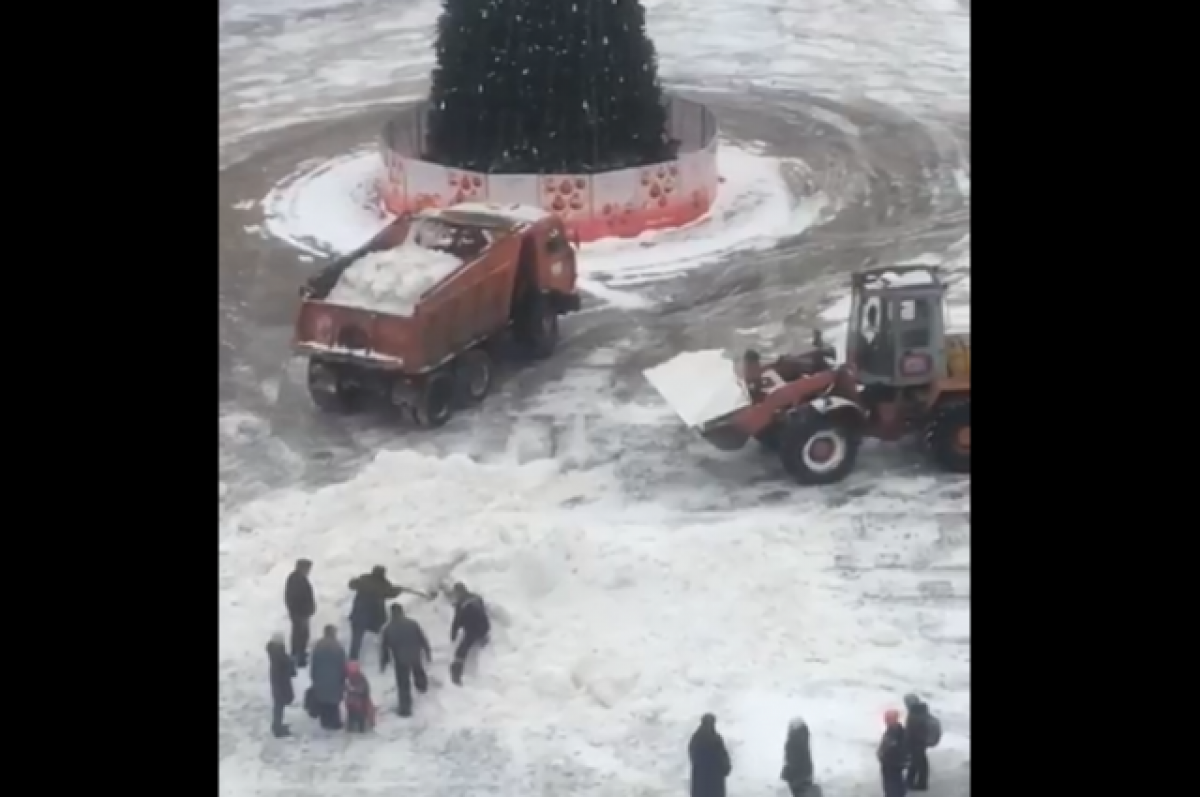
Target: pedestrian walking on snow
{"points": [[328, 672], [709, 759], [892, 755], [405, 645], [471, 618], [797, 759], [301, 606], [372, 591], [360, 711], [282, 671]]}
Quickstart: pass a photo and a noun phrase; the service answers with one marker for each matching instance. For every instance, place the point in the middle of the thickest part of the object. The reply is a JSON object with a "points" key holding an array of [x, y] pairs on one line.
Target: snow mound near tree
{"points": [[393, 281]]}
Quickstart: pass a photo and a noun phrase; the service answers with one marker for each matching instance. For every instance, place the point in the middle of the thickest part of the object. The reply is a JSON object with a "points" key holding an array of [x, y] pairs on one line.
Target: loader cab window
{"points": [[913, 320]]}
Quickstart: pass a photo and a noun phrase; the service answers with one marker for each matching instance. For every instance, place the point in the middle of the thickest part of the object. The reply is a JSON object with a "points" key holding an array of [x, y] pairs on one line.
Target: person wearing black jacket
{"points": [[301, 606], [709, 759], [372, 591], [797, 759], [471, 618], [892, 755], [916, 732], [282, 671], [404, 641]]}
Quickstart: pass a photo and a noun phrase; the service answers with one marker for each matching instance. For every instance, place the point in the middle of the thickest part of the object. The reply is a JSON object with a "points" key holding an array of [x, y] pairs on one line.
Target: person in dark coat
{"points": [[709, 758], [471, 618], [797, 759], [301, 606], [892, 755], [916, 733], [282, 670], [404, 642], [328, 672], [372, 591]]}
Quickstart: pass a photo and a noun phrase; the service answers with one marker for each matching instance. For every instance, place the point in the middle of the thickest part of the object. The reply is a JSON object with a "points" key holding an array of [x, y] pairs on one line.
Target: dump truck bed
{"points": [[452, 310]]}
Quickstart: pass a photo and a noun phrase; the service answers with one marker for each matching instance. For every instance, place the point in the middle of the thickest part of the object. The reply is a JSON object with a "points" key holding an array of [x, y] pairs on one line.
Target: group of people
{"points": [[903, 754], [336, 676]]}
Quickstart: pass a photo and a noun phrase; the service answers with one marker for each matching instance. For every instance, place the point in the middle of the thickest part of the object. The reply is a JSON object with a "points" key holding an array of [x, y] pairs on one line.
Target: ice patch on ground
{"points": [[331, 206], [392, 281], [622, 621]]}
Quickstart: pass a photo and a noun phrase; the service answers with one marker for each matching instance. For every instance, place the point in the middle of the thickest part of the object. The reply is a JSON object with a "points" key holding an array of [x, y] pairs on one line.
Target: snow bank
{"points": [[699, 385], [394, 280]]}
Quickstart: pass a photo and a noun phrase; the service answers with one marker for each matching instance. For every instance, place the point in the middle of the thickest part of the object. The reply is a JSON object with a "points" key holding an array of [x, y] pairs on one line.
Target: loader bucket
{"points": [[723, 434], [703, 388]]}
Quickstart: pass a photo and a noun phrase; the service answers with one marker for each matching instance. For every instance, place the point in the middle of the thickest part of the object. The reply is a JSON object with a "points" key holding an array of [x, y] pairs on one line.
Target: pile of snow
{"points": [[699, 385], [394, 280]]}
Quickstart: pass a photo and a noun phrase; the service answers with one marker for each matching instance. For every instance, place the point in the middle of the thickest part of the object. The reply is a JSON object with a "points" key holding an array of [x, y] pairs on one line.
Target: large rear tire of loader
{"points": [[948, 436], [537, 327], [816, 451], [435, 401], [472, 377], [329, 390]]}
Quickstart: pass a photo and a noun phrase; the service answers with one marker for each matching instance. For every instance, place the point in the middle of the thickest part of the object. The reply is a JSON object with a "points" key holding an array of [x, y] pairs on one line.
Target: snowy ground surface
{"points": [[638, 577]]}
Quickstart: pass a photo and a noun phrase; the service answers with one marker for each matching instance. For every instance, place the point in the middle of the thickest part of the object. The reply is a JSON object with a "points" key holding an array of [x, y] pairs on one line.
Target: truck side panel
{"points": [[473, 304]]}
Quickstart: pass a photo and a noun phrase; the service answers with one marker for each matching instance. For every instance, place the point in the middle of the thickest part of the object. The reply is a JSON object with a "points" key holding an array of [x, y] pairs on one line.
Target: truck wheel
{"points": [[473, 376], [948, 436], [537, 328], [435, 401], [817, 451], [329, 389]]}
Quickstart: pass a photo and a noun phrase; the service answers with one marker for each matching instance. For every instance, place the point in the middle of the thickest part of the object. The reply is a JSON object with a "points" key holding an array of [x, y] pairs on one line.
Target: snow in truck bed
{"points": [[394, 280]]}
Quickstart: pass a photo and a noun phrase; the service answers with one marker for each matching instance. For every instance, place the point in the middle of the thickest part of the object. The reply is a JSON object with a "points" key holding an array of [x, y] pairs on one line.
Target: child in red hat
{"points": [[360, 711]]}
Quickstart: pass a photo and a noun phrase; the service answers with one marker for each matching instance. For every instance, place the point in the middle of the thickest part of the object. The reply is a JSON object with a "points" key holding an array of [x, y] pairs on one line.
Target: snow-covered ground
{"points": [[621, 615]]}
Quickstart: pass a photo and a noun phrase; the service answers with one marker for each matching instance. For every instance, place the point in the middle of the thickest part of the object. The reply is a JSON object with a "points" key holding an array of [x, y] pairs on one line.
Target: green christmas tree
{"points": [[545, 86]]}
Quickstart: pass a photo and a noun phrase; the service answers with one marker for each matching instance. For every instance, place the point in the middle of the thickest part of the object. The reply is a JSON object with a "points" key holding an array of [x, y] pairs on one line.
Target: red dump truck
{"points": [[414, 315]]}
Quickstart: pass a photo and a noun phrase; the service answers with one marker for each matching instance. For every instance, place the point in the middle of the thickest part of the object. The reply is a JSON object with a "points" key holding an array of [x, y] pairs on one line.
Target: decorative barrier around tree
{"points": [[622, 203]]}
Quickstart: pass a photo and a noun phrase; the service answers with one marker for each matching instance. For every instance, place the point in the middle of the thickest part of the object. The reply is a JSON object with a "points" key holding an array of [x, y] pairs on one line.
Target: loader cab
{"points": [[896, 335]]}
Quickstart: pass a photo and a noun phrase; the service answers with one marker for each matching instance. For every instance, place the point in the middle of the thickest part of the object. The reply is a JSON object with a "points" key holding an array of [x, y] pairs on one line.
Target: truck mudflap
{"points": [[705, 390]]}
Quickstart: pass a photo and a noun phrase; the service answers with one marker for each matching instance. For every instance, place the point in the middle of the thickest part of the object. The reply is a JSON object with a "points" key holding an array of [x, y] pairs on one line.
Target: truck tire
{"points": [[537, 327], [329, 390], [948, 436], [473, 377], [435, 400], [815, 450]]}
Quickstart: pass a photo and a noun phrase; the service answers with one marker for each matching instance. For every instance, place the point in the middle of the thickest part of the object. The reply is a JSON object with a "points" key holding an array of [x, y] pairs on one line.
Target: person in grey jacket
{"points": [[328, 669], [404, 643]]}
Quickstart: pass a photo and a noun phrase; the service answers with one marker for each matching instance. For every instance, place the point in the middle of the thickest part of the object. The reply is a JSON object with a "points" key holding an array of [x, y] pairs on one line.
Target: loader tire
{"points": [[948, 437], [435, 401], [816, 451], [330, 391]]}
